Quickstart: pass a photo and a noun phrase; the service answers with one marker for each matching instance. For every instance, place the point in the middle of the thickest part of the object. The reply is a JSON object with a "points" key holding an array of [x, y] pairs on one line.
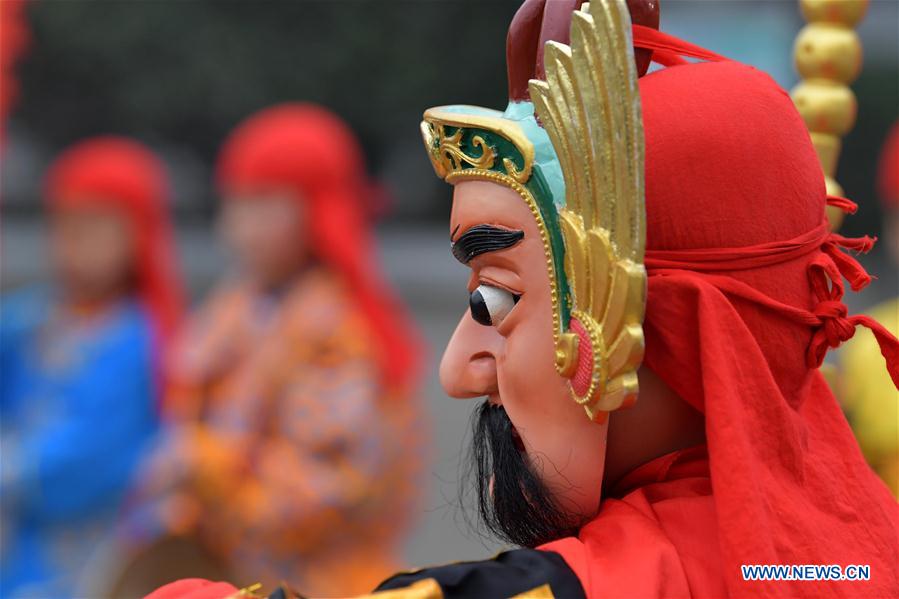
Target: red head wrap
{"points": [[310, 150], [888, 171], [745, 287], [122, 173]]}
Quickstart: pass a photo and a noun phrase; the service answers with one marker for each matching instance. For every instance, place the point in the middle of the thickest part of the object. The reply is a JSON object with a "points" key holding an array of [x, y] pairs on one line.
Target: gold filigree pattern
{"points": [[448, 156], [248, 592], [447, 153], [590, 107]]}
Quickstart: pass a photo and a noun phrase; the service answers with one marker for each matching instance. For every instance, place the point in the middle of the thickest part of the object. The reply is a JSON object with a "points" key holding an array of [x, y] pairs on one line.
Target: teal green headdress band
{"points": [[511, 143]]}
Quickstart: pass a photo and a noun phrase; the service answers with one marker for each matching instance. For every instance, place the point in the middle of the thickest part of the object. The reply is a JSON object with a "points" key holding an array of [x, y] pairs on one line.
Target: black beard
{"points": [[520, 510]]}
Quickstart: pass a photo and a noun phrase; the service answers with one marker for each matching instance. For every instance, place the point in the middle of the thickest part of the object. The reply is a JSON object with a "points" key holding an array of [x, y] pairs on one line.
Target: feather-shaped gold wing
{"points": [[590, 107]]}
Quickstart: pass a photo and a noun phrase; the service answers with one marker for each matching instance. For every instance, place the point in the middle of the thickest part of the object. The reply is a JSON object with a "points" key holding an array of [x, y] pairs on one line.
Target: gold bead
{"points": [[825, 51], [825, 107], [828, 56], [844, 12], [827, 146]]}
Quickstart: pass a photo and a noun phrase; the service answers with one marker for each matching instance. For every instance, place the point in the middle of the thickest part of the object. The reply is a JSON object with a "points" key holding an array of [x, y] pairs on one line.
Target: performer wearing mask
{"points": [[653, 288], [80, 362], [296, 449]]}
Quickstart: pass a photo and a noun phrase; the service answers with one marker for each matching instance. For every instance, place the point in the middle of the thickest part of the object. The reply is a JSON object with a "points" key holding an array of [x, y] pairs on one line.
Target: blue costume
{"points": [[77, 402]]}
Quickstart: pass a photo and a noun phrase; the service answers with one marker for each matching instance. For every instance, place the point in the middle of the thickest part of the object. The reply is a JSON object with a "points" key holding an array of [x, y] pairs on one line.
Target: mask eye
{"points": [[490, 305]]}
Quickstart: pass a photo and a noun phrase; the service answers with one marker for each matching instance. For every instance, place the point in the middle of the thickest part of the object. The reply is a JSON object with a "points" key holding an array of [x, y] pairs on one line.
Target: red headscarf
{"points": [[888, 170], [122, 173], [745, 287], [310, 150]]}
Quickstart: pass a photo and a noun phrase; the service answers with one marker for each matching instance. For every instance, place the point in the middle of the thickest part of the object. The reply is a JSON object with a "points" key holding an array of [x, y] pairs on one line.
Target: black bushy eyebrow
{"points": [[481, 239]]}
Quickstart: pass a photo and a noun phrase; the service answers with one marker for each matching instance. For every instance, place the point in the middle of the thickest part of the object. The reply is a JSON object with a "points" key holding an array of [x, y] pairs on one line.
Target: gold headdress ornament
{"points": [[590, 106], [580, 170]]}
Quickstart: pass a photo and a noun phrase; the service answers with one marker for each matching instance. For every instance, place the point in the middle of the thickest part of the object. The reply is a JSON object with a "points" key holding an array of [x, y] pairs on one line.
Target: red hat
{"points": [[888, 170], [745, 288], [125, 174], [309, 149]]}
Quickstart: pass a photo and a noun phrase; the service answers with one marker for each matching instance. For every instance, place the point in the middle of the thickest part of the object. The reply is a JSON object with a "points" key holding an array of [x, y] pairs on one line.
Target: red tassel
{"points": [[889, 345], [862, 245], [849, 267], [844, 204]]}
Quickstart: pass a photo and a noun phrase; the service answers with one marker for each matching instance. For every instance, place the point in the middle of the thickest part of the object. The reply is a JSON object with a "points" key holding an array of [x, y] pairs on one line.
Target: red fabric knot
{"points": [[826, 279], [826, 272], [836, 327]]}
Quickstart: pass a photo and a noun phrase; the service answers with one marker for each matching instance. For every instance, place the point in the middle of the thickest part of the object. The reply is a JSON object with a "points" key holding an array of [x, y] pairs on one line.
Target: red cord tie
{"points": [[835, 326], [829, 319], [844, 204], [668, 50], [826, 273]]}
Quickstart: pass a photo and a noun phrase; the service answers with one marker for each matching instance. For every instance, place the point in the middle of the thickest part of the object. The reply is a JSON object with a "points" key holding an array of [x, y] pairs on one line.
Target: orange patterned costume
{"points": [[295, 451]]}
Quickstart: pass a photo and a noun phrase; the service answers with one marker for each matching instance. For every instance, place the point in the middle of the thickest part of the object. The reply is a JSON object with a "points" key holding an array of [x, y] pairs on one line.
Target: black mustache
{"points": [[521, 509]]}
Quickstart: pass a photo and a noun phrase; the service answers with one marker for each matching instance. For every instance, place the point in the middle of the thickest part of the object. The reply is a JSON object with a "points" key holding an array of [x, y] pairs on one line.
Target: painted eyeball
{"points": [[490, 305]]}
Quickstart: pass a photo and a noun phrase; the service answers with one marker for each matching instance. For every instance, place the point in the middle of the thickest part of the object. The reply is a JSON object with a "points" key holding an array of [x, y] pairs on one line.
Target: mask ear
{"points": [[582, 370], [580, 379]]}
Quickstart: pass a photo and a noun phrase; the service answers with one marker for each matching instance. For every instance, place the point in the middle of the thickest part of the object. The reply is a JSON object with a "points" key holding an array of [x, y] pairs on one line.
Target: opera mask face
{"points": [[549, 217], [549, 481]]}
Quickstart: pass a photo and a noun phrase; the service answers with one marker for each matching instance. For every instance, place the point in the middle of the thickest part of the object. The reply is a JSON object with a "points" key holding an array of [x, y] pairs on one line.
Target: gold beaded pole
{"points": [[828, 56]]}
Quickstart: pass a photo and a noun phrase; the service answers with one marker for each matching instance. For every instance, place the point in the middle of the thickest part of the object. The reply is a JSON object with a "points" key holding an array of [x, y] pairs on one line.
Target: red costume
{"points": [[745, 287]]}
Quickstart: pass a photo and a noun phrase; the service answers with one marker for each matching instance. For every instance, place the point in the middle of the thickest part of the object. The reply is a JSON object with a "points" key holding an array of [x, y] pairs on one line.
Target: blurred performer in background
{"points": [[867, 392], [296, 442], [712, 285], [14, 40], [78, 395]]}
